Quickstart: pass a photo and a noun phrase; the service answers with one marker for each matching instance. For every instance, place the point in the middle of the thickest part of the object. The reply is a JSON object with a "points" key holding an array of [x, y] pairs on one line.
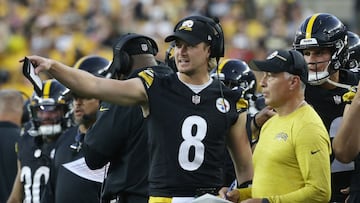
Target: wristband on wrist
{"points": [[254, 122], [245, 184]]}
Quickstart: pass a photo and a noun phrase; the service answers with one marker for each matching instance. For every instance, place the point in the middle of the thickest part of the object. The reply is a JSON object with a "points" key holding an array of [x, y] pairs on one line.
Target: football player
{"points": [[322, 39], [354, 51], [50, 116], [191, 117], [345, 142], [66, 183]]}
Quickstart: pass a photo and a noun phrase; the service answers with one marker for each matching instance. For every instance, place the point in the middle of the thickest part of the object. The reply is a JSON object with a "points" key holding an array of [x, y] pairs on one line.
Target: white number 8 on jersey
{"points": [[192, 141]]}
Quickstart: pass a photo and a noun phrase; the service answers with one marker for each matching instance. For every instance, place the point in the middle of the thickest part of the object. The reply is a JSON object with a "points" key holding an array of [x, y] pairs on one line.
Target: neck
{"points": [[143, 60], [290, 106], [11, 118], [333, 77], [83, 128], [194, 79]]}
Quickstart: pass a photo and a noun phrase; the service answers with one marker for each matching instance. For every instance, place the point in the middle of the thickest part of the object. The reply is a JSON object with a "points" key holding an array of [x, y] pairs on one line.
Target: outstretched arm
{"points": [[346, 143], [127, 92]]}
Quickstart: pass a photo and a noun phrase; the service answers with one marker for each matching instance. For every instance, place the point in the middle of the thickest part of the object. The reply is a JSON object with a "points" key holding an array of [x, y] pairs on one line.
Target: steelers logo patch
{"points": [[222, 105]]}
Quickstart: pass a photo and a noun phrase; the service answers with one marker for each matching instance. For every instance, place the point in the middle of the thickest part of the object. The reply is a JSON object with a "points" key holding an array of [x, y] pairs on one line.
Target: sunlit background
{"points": [[69, 29]]}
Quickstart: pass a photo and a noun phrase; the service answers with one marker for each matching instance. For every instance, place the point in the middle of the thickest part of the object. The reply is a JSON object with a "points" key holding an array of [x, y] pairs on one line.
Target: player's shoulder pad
{"points": [[242, 104], [349, 96], [147, 76]]}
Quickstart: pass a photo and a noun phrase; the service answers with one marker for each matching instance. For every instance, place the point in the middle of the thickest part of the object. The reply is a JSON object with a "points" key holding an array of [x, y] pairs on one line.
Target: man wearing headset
{"points": [[119, 136], [191, 117]]}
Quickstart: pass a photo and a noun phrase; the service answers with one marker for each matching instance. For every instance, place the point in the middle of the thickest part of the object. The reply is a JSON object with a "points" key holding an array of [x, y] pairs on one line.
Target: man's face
{"points": [[275, 88], [85, 107], [49, 116], [189, 58], [317, 58]]}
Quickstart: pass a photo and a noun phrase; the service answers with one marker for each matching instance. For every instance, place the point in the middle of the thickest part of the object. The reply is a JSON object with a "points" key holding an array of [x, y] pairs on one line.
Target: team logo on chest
{"points": [[222, 105]]}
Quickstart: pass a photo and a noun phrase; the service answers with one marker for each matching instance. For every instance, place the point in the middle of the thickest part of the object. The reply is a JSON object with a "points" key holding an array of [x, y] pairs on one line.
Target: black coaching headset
{"points": [[122, 61], [215, 31]]}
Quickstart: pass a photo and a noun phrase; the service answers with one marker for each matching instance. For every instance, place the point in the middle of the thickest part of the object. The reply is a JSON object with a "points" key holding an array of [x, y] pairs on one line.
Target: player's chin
{"points": [[78, 117]]}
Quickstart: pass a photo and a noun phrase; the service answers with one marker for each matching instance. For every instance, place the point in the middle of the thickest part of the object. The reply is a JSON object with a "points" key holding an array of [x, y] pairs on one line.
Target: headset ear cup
{"points": [[217, 44], [125, 59], [122, 61], [154, 48], [220, 47]]}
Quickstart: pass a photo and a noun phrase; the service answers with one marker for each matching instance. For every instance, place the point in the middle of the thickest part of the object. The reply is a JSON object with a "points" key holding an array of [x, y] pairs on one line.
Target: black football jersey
{"points": [[187, 134], [330, 105], [10, 134], [67, 185], [35, 157], [119, 136]]}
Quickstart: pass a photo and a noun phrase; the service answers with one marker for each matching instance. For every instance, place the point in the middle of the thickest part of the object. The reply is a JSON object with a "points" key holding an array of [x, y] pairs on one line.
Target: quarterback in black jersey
{"points": [[191, 117], [49, 118], [322, 39]]}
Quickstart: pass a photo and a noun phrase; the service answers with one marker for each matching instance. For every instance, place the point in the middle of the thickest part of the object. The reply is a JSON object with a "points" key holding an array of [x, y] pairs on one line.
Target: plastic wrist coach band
{"points": [[254, 122]]}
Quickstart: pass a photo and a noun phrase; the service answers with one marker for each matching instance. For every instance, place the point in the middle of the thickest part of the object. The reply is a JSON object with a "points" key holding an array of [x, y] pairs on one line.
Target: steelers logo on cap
{"points": [[187, 25]]}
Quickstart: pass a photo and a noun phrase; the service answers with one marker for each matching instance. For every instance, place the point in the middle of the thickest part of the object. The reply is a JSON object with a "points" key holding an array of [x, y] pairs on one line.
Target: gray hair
{"points": [[11, 101]]}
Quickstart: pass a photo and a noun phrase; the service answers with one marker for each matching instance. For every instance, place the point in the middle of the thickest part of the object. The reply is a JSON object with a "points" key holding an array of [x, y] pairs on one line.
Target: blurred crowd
{"points": [[69, 29]]}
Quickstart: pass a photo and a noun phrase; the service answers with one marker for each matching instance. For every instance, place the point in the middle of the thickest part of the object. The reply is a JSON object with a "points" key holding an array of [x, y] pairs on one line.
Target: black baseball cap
{"points": [[138, 46], [290, 61], [191, 31]]}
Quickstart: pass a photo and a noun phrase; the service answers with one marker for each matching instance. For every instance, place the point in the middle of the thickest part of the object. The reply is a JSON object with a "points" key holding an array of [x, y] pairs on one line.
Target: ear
{"points": [[208, 47], [294, 82]]}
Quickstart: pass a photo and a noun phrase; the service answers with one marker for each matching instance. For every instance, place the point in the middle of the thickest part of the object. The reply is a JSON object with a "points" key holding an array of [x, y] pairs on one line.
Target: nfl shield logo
{"points": [[196, 99], [144, 47]]}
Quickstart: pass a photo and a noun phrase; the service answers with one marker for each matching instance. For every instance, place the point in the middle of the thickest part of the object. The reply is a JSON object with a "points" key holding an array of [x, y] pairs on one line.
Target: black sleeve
{"points": [[107, 135], [94, 160]]}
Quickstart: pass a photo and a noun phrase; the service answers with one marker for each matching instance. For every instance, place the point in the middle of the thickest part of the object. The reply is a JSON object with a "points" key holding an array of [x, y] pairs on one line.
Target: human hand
{"points": [[40, 64], [263, 115], [232, 195], [346, 191]]}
